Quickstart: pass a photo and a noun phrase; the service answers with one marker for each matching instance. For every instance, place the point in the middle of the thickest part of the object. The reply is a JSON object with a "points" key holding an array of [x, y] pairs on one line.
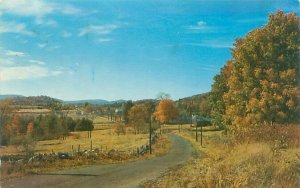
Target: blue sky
{"points": [[122, 49]]}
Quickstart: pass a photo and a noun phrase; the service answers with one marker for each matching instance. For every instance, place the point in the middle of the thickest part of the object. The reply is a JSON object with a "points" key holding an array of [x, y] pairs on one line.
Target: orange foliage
{"points": [[30, 128], [165, 111], [15, 126]]}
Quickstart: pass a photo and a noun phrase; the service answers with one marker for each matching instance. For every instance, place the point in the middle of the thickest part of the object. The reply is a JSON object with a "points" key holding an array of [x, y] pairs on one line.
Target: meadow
{"points": [[104, 137], [111, 148]]}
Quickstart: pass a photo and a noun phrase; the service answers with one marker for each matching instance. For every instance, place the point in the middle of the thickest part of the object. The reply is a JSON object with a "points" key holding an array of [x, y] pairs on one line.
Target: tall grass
{"points": [[278, 136], [269, 159]]}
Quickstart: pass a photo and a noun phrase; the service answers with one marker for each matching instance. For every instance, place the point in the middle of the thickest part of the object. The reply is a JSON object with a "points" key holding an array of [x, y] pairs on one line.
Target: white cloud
{"points": [[54, 47], [14, 53], [26, 72], [42, 45], [102, 40], [26, 7], [98, 29], [37, 62], [37, 8], [48, 46], [66, 34], [56, 72], [213, 44], [12, 27], [41, 21], [200, 26], [69, 10]]}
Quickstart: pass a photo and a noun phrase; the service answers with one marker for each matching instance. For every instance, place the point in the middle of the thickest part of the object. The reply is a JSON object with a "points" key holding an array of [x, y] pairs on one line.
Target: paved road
{"points": [[110, 175]]}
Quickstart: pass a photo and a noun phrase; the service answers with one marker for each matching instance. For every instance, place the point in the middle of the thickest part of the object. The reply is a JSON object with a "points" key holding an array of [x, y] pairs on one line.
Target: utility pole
{"points": [[194, 118], [196, 124], [201, 135], [150, 132], [192, 121]]}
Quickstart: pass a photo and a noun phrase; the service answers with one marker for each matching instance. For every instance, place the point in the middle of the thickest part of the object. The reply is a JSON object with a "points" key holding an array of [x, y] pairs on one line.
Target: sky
{"points": [[88, 49]]}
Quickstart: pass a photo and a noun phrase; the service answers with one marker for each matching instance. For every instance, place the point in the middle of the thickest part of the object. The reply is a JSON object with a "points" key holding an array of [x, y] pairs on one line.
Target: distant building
{"points": [[118, 111]]}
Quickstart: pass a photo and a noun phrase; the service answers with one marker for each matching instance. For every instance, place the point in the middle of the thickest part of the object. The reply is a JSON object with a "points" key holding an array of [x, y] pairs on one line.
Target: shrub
{"points": [[84, 125], [120, 129], [279, 136]]}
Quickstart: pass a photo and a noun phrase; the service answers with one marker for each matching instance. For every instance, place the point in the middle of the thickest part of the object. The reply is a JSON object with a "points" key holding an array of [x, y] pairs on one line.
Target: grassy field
{"points": [[104, 138], [220, 163]]}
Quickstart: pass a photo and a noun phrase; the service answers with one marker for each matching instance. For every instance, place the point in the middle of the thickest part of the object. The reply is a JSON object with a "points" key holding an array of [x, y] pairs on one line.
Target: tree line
{"points": [[16, 128]]}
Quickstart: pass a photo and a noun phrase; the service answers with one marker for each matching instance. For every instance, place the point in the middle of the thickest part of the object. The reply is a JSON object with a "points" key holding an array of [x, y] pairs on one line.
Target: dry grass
{"points": [[106, 139], [223, 164]]}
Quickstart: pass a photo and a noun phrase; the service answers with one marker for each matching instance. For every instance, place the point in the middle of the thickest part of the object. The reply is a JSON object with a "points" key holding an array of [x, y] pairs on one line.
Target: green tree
{"points": [[70, 124], [125, 110], [5, 117], [84, 125]]}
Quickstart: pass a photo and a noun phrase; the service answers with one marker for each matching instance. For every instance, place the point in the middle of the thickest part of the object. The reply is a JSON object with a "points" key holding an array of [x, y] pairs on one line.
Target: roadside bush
{"points": [[279, 136]]}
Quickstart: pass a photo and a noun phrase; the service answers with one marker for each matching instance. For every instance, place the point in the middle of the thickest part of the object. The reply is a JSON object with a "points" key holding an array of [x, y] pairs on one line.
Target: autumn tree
{"points": [[219, 87], [263, 80], [29, 130], [14, 126], [138, 115], [165, 111], [120, 129]]}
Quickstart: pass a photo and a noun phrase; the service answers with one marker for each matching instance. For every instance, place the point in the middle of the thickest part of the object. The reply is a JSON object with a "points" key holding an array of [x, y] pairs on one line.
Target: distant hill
{"points": [[196, 104], [194, 97], [4, 97], [45, 100], [31, 100], [190, 104], [93, 101]]}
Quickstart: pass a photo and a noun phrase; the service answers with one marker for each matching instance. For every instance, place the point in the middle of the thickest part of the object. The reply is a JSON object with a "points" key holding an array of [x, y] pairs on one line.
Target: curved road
{"points": [[110, 175]]}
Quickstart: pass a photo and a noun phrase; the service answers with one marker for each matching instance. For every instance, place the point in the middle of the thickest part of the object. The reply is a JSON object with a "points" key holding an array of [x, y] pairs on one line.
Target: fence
{"points": [[93, 153]]}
